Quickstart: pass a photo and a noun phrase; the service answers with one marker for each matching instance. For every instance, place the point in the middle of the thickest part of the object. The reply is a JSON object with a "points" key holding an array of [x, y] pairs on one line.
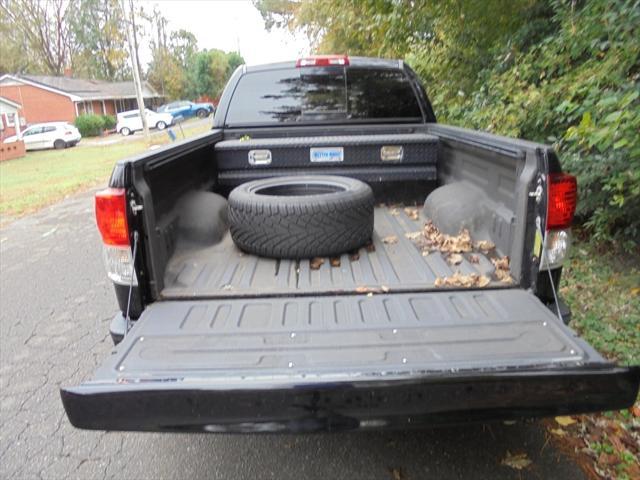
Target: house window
{"points": [[11, 119]]}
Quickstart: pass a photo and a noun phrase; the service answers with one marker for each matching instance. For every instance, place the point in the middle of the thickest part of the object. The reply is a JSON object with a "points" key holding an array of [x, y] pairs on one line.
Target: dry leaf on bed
{"points": [[412, 213], [413, 235], [316, 263], [369, 290], [485, 246], [502, 270], [474, 259], [390, 240], [447, 243], [335, 261], [461, 280], [455, 259]]}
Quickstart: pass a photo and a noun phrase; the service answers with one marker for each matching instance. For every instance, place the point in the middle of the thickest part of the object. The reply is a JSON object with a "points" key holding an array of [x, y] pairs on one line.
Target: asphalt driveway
{"points": [[55, 308]]}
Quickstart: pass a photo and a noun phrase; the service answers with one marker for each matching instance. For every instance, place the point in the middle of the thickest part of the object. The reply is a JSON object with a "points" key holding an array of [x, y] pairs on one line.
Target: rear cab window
{"points": [[323, 95]]}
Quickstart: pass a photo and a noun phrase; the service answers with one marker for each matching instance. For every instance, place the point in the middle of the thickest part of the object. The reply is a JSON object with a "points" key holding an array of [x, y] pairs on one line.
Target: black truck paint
{"points": [[287, 350]]}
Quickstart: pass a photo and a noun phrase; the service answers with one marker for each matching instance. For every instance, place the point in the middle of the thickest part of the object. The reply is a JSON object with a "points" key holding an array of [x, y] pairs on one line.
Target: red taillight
{"points": [[562, 200], [111, 216], [323, 61]]}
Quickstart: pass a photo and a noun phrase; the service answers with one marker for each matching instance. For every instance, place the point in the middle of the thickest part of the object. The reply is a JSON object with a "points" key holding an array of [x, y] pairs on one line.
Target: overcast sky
{"points": [[229, 25]]}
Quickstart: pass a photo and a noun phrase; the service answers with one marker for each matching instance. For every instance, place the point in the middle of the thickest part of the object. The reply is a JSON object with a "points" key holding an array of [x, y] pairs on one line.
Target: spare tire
{"points": [[301, 216]]}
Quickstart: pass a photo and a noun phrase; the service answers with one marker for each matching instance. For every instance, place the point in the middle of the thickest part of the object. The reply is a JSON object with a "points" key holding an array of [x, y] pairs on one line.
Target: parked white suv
{"points": [[48, 135], [129, 122]]}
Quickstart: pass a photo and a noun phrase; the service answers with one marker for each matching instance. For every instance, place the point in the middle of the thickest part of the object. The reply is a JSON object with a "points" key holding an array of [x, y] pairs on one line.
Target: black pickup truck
{"points": [[448, 313]]}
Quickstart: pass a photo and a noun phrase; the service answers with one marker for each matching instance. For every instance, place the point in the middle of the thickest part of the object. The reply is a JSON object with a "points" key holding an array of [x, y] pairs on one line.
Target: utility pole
{"points": [[132, 40]]}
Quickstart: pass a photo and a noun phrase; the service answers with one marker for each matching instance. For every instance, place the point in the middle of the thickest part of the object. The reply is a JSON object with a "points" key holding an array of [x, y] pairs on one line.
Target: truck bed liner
{"points": [[222, 270], [348, 335]]}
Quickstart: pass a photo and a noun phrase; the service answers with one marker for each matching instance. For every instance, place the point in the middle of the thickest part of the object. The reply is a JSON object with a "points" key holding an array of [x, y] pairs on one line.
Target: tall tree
{"points": [[44, 29], [98, 29], [183, 45]]}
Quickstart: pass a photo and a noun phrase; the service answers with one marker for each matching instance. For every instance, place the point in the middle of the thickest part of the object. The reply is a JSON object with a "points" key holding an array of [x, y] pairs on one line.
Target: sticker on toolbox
{"points": [[327, 154]]}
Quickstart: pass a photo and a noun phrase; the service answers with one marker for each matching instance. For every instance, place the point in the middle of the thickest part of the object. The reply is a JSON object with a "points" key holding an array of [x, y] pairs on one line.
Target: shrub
{"points": [[108, 122], [90, 125], [576, 85]]}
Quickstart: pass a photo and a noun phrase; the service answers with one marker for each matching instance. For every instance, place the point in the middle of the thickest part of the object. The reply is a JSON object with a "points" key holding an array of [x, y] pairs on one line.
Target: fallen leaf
{"points": [[390, 240], [518, 461], [558, 432], [455, 259], [433, 237], [474, 259], [608, 459], [413, 235], [335, 261], [635, 410], [412, 213], [316, 263], [565, 421], [502, 271], [635, 291], [461, 280], [501, 263], [485, 246], [394, 211]]}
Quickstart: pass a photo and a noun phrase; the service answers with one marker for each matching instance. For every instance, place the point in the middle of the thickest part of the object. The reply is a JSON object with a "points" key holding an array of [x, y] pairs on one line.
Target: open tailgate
{"points": [[346, 362]]}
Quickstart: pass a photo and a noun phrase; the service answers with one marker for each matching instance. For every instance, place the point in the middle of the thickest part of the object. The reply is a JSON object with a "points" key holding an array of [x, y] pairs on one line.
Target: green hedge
{"points": [[570, 76], [109, 122], [91, 125]]}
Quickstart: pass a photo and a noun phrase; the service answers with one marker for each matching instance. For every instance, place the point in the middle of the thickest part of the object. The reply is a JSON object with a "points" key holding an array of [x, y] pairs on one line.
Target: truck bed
{"points": [[222, 270]]}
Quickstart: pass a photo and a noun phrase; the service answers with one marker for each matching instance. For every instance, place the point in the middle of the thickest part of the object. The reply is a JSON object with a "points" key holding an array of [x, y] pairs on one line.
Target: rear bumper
{"points": [[182, 404]]}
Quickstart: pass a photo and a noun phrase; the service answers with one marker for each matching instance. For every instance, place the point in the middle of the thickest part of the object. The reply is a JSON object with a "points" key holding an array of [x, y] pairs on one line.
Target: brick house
{"points": [[55, 99]]}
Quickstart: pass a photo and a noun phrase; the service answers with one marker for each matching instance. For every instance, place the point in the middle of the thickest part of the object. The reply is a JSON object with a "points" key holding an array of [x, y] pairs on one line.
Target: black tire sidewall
{"points": [[246, 192], [301, 226]]}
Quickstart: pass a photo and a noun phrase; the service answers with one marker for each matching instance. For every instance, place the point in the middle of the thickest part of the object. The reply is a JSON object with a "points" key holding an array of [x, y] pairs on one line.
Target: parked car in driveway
{"points": [[48, 135], [188, 109], [129, 122]]}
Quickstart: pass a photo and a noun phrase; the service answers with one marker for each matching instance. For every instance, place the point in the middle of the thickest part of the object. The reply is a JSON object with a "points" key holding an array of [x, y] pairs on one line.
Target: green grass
{"points": [[44, 177], [602, 286]]}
